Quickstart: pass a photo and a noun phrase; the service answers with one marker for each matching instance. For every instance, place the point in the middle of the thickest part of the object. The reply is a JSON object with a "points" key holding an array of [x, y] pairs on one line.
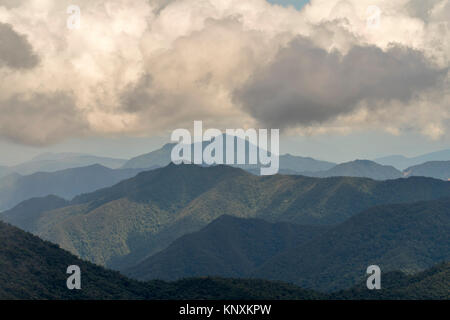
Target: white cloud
{"points": [[144, 67]]}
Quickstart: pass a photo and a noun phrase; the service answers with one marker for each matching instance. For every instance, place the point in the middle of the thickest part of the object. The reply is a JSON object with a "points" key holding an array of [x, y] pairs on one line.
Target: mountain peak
{"points": [[363, 168]]}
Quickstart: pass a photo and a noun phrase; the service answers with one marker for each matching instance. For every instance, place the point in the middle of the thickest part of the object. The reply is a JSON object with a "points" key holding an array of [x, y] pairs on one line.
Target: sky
{"points": [[298, 4], [341, 79]]}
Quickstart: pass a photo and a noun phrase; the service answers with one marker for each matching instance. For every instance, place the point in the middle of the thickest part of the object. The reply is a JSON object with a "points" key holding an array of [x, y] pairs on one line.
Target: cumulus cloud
{"points": [[193, 79], [145, 66]]}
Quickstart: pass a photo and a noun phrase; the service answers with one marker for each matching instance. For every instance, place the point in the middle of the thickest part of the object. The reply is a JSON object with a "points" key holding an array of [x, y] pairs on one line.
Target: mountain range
{"points": [[407, 237], [315, 226], [434, 169], [66, 183], [123, 225], [51, 162], [359, 168], [36, 269], [401, 162], [381, 169], [373, 170], [227, 247], [288, 163], [389, 167]]}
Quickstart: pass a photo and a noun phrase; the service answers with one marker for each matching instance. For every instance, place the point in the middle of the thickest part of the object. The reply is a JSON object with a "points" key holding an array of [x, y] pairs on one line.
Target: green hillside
{"points": [[227, 247], [35, 269], [405, 237], [27, 213], [124, 224]]}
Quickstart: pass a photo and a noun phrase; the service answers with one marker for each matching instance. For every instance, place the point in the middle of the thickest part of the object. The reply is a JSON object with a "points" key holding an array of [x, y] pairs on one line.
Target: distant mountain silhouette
{"points": [[288, 163], [65, 183], [360, 168], [402, 162], [160, 157], [434, 169], [300, 164], [51, 162], [122, 225]]}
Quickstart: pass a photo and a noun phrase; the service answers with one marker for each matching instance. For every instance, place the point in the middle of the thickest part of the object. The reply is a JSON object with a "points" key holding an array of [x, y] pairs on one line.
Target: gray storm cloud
{"points": [[306, 85], [15, 50]]}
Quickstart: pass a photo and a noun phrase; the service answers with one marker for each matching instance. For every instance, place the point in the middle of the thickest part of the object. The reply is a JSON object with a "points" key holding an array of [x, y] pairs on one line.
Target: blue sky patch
{"points": [[296, 3]]}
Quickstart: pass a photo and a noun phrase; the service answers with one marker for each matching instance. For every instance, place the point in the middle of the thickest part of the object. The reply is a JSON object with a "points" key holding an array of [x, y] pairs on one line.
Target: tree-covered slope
{"points": [[405, 237], [227, 247], [27, 213], [35, 269], [31, 268], [124, 224]]}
